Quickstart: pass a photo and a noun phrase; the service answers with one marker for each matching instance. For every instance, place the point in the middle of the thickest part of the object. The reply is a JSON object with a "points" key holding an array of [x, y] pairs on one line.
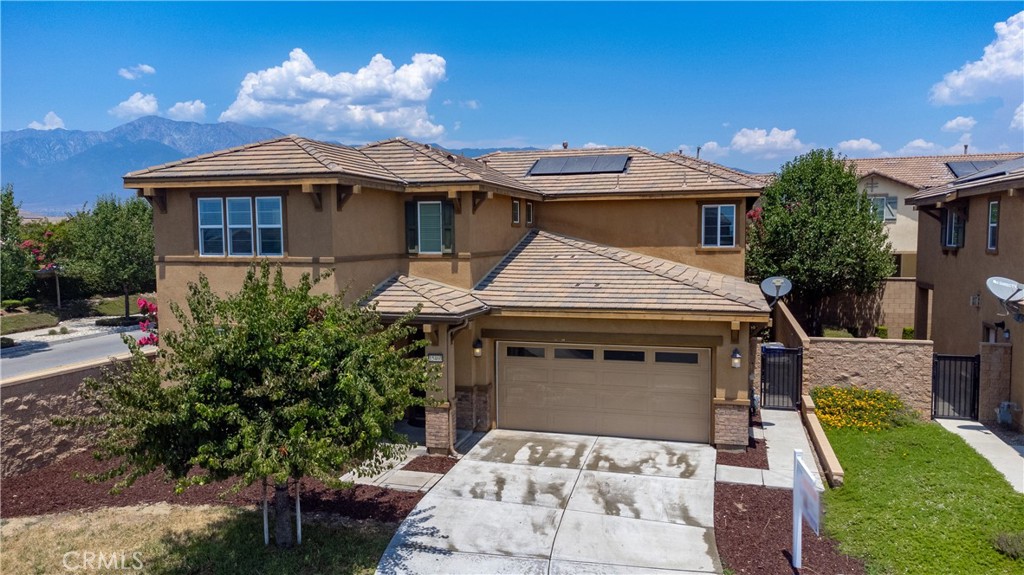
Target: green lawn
{"points": [[115, 306], [25, 321], [918, 499]]}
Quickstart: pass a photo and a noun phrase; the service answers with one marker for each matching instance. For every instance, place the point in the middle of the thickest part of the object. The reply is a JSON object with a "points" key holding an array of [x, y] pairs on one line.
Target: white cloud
{"points": [[960, 124], [377, 98], [999, 72], [712, 150], [594, 146], [1018, 118], [767, 145], [136, 72], [137, 105], [50, 122], [859, 146], [457, 126], [920, 147], [193, 111], [471, 104]]}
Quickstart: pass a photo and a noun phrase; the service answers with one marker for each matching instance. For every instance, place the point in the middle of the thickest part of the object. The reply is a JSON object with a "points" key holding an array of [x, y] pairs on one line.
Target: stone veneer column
{"points": [[732, 425], [481, 407], [440, 428], [994, 380]]}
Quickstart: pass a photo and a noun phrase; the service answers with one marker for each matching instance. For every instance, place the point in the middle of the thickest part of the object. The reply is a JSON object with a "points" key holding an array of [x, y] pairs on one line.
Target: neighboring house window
{"points": [[233, 235], [884, 207], [529, 213], [952, 229], [718, 229], [430, 227], [993, 225], [515, 211]]}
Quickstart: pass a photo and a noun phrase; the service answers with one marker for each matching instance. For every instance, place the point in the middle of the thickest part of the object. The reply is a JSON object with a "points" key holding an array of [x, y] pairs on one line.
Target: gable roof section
{"points": [[553, 272], [400, 293], [1001, 174], [920, 171], [286, 156], [647, 173], [423, 164]]}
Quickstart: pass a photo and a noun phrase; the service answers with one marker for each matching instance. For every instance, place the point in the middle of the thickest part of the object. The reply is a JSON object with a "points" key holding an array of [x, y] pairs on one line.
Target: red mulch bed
{"points": [[55, 489], [754, 532], [431, 464]]}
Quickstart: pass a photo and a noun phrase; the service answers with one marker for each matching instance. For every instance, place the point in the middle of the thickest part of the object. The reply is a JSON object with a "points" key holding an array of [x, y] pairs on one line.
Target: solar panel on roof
{"points": [[589, 164], [965, 168]]}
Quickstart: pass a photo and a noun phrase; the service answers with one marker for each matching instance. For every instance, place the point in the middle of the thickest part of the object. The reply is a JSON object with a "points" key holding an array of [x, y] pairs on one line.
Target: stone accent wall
{"points": [[440, 428], [732, 425], [994, 384], [471, 407], [903, 367], [482, 407]]}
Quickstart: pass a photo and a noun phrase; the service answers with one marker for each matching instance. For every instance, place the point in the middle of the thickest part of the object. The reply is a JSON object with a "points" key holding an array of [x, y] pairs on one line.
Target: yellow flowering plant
{"points": [[857, 408]]}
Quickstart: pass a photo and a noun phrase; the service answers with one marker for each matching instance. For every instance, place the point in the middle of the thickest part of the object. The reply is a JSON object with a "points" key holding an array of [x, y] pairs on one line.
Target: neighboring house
{"points": [[581, 291], [973, 229], [890, 181]]}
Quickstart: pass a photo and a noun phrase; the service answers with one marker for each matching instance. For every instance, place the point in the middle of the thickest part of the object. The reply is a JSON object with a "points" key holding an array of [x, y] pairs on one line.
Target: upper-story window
{"points": [[952, 229], [226, 226], [429, 227], [993, 225], [529, 213], [884, 207], [718, 226], [515, 211]]}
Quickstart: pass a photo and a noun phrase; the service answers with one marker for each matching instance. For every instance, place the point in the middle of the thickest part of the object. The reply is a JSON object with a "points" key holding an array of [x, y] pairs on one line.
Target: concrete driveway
{"points": [[524, 502]]}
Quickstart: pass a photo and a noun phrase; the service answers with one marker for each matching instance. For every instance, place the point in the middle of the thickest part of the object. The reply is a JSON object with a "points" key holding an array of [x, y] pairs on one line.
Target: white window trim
{"points": [[419, 226], [718, 226], [529, 213], [258, 244], [949, 239], [515, 211], [223, 219], [992, 243], [229, 227]]}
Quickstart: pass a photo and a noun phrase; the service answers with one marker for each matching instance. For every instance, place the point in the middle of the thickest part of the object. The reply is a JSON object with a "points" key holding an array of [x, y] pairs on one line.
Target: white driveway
{"points": [[523, 502]]}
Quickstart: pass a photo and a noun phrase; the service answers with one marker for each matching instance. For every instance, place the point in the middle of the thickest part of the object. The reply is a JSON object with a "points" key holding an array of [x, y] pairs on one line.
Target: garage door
{"points": [[645, 392]]}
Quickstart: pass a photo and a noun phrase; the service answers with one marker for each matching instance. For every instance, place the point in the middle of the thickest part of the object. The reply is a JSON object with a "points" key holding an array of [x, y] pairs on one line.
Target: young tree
{"points": [[114, 247], [814, 227], [272, 382], [15, 277]]}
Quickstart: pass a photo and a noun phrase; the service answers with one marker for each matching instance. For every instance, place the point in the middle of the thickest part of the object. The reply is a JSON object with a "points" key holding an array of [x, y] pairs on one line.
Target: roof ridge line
{"points": [[434, 156], [729, 296], [447, 306], [530, 234], [309, 147], [729, 174], [213, 154]]}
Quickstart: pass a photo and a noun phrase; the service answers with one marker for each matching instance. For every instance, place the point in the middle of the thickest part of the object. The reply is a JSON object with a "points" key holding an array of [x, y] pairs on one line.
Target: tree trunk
{"points": [[282, 516], [126, 294]]}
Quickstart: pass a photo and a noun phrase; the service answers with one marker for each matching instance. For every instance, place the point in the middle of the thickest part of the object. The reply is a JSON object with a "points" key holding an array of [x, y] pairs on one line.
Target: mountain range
{"points": [[60, 171]]}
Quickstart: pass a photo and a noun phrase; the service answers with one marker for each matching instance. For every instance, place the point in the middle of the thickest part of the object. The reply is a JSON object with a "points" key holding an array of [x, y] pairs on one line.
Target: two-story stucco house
{"points": [[972, 229], [583, 291]]}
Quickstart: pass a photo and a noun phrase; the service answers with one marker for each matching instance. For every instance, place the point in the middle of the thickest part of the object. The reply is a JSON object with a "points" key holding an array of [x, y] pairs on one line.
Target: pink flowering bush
{"points": [[149, 322]]}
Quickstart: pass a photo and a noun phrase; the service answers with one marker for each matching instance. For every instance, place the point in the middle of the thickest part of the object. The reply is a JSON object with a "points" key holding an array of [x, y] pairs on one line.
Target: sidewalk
{"points": [[783, 432], [78, 328], [1007, 459]]}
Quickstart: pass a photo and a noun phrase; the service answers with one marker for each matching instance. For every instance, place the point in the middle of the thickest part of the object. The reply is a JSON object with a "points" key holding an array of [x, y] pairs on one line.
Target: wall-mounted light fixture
{"points": [[1002, 325], [478, 348], [737, 357]]}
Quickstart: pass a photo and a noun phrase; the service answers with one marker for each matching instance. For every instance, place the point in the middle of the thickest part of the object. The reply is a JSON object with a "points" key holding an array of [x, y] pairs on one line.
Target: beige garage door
{"points": [[646, 392]]}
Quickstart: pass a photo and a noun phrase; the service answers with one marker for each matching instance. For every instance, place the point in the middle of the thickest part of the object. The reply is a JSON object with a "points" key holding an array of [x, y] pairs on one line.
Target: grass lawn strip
{"points": [[187, 539], [918, 499], [18, 322]]}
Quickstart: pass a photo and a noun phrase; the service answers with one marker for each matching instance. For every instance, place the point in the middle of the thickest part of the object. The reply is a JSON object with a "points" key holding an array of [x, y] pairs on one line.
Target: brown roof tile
{"points": [[1004, 172], [920, 171], [399, 294], [551, 271]]}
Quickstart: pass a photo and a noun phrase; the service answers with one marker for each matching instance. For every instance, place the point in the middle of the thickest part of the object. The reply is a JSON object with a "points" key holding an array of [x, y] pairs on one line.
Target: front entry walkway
{"points": [[523, 502], [1008, 460], [783, 432]]}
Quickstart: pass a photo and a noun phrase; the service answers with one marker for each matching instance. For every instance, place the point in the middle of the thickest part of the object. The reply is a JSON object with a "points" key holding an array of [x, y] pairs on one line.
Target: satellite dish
{"points": [[1005, 289], [775, 287]]}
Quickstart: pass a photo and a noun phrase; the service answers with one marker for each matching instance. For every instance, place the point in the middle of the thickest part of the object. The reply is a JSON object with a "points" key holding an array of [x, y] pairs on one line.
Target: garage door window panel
{"points": [[518, 351], [676, 357], [625, 355], [573, 353]]}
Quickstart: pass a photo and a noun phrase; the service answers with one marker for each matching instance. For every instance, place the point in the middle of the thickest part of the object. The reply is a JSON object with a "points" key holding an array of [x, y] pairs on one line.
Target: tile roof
{"points": [[285, 156], [397, 295], [425, 164], [551, 271], [1010, 170], [920, 171], [648, 173]]}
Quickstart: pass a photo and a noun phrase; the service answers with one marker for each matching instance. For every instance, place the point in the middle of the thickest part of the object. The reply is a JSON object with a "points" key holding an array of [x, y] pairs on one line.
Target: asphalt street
{"points": [[30, 356]]}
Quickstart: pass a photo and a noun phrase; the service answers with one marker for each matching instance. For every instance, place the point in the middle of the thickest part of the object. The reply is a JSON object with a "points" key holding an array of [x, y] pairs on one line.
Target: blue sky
{"points": [[753, 84]]}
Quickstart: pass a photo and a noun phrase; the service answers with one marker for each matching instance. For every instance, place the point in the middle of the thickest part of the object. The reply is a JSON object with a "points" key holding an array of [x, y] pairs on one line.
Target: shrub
{"points": [[10, 304], [118, 321], [29, 302], [908, 333], [864, 409], [64, 329], [52, 332], [1010, 544], [882, 332], [6, 342]]}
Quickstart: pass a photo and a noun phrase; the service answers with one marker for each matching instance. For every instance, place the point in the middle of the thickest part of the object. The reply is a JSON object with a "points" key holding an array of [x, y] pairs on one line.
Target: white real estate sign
{"points": [[806, 503]]}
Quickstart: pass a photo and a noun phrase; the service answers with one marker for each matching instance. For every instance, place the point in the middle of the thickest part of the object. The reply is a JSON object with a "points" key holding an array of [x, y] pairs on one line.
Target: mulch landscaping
{"points": [[431, 464], [755, 455], [753, 529], [55, 489]]}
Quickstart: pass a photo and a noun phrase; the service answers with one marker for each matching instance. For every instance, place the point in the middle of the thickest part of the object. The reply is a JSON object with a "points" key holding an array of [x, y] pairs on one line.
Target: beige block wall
{"points": [[892, 305], [994, 379]]}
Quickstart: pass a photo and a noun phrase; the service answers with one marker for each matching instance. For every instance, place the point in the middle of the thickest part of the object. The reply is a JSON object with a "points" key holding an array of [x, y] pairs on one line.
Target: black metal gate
{"points": [[955, 386], [782, 374]]}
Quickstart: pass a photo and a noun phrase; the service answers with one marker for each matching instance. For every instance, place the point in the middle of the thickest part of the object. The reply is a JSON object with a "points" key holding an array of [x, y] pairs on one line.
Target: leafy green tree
{"points": [[114, 247], [814, 227], [15, 277], [272, 382]]}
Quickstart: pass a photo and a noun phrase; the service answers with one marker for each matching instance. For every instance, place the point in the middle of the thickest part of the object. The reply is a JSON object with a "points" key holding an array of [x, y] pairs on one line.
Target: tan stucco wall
{"points": [[903, 232], [661, 228]]}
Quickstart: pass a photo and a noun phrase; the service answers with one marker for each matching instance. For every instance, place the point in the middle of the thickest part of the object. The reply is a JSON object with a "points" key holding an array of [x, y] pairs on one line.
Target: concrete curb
{"points": [[829, 462]]}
